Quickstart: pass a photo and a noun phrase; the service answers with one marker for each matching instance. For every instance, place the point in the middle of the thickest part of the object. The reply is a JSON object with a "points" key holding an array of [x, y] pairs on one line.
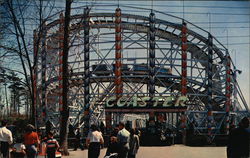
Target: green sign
{"points": [[143, 102]]}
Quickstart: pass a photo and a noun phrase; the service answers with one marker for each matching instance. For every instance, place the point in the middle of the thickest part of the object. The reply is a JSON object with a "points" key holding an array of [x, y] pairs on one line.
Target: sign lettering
{"points": [[143, 102]]}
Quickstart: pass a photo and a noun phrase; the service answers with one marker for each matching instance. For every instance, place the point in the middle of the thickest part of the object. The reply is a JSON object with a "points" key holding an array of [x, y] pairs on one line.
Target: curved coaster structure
{"points": [[127, 63]]}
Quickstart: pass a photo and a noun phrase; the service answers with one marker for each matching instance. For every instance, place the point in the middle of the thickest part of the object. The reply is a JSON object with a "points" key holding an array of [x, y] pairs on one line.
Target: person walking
{"points": [[123, 141], [94, 141], [51, 146], [78, 140], [31, 141], [5, 139], [238, 141], [134, 144]]}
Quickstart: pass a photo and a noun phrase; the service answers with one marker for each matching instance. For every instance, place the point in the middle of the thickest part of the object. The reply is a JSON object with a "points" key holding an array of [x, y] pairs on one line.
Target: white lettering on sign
{"points": [[141, 102], [168, 101]]}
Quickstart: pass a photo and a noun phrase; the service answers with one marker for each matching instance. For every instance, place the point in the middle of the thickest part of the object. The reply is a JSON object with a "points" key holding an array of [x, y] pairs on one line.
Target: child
{"points": [[51, 146], [18, 150]]}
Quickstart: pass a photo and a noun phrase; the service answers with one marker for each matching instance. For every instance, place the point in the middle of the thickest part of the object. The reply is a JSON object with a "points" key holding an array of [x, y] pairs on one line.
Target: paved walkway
{"points": [[175, 151]]}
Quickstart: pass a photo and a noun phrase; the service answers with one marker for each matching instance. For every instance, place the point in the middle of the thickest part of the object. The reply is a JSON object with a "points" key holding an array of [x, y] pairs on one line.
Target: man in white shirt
{"points": [[5, 139], [123, 140], [94, 141]]}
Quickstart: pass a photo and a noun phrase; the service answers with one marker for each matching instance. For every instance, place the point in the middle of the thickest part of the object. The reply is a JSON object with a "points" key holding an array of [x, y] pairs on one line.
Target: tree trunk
{"points": [[65, 108]]}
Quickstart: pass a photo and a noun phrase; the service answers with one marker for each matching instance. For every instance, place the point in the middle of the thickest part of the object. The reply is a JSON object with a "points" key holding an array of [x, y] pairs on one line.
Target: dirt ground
{"points": [[175, 151]]}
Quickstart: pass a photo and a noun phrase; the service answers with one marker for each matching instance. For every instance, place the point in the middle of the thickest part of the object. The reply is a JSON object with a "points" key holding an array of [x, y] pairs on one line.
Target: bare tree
{"points": [[16, 23], [65, 108], [20, 49]]}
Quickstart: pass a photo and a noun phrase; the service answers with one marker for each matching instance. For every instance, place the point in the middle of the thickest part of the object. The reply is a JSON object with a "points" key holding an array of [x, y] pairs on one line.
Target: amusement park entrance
{"points": [[155, 126], [159, 68]]}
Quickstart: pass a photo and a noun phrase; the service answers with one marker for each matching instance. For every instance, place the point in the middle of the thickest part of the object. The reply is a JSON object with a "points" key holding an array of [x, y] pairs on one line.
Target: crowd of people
{"points": [[123, 143], [27, 145]]}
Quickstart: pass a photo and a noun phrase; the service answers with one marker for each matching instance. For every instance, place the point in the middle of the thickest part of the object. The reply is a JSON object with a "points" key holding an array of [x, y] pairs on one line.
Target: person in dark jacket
{"points": [[113, 146], [115, 131], [238, 141], [78, 140]]}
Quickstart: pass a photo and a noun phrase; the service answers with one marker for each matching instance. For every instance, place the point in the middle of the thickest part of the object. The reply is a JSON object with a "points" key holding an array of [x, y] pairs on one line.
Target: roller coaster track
{"points": [[165, 31]]}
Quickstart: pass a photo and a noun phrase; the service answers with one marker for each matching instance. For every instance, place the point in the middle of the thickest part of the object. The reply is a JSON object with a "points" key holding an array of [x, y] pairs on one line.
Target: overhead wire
{"points": [[171, 6], [213, 23], [175, 6]]}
